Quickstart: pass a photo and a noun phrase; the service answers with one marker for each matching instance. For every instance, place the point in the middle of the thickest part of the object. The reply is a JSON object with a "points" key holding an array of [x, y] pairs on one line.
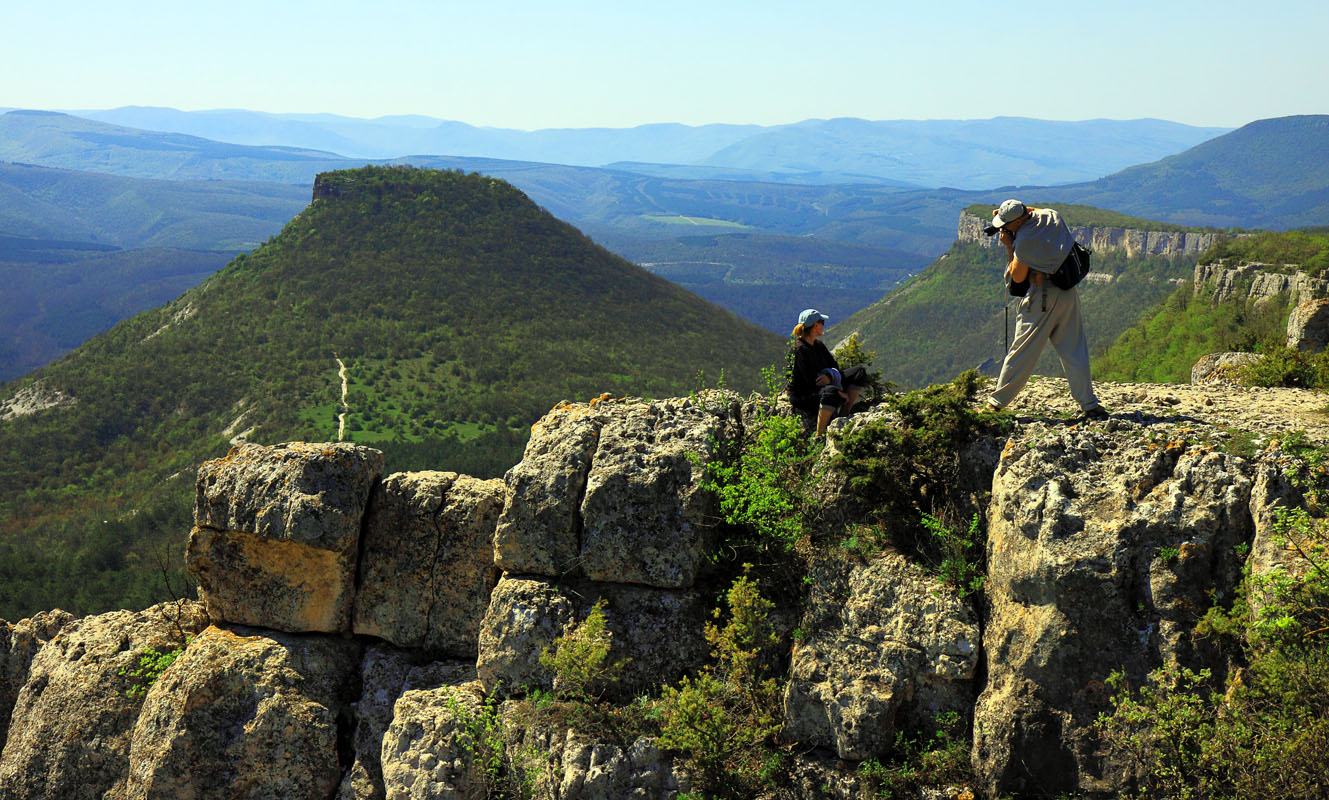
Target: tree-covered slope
{"points": [[57, 294], [1164, 344], [460, 310]]}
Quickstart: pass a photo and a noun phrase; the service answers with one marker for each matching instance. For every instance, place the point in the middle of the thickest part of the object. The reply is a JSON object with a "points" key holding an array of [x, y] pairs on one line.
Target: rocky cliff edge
{"points": [[350, 623]]}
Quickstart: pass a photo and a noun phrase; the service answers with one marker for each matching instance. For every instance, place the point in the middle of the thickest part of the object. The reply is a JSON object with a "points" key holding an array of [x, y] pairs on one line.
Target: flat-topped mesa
{"points": [[1106, 239], [1259, 282]]}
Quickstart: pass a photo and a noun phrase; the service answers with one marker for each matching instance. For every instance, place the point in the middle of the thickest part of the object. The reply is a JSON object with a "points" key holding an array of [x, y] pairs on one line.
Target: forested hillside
{"points": [[461, 311]]}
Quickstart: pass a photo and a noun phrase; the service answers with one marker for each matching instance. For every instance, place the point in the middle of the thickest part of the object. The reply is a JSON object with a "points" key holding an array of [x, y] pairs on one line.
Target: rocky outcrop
{"points": [[245, 713], [1130, 241], [890, 648], [1258, 283], [613, 491], [19, 643], [69, 735], [1221, 368], [1105, 542], [1103, 548], [1308, 326], [277, 533], [427, 563]]}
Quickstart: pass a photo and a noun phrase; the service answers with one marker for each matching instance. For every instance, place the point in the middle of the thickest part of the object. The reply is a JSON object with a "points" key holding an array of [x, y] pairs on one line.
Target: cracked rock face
{"points": [[646, 518], [656, 633], [890, 647], [540, 529], [19, 643], [277, 533], [69, 735], [427, 566], [425, 749], [245, 713], [612, 491], [1103, 548]]}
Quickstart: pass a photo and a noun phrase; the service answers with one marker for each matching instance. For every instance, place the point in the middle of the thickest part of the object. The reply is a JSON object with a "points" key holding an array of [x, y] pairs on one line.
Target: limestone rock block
{"points": [[1221, 368], [277, 533], [245, 713], [656, 632], [592, 769], [890, 648], [538, 532], [69, 736], [428, 561], [425, 749], [386, 674], [646, 518], [1308, 326], [524, 617], [18, 644], [1103, 548]]}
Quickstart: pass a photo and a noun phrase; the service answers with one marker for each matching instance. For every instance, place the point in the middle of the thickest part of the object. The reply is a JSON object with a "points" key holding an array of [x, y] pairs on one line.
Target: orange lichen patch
{"points": [[271, 583], [598, 400], [1009, 450], [1175, 446]]}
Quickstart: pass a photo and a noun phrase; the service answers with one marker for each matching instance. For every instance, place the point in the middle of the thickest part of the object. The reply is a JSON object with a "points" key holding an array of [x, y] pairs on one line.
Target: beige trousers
{"points": [[1047, 314]]}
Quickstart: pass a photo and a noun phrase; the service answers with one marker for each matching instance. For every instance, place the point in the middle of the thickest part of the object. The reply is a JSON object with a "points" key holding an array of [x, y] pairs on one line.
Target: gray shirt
{"points": [[1043, 241]]}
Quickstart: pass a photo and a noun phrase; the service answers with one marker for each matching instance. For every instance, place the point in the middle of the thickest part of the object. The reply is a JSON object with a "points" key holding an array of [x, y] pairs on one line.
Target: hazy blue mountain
{"points": [[961, 153], [44, 203], [973, 154], [1272, 173], [60, 140]]}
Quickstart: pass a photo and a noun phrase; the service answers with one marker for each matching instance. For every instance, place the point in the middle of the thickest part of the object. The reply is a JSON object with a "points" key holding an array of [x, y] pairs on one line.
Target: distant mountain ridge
{"points": [[971, 154]]}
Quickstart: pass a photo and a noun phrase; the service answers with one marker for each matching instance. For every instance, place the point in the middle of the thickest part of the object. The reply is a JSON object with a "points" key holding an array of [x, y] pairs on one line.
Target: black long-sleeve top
{"points": [[807, 363]]}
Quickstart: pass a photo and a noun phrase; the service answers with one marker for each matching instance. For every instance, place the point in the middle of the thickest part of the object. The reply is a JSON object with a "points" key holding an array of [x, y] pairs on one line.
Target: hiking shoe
{"points": [[1097, 413]]}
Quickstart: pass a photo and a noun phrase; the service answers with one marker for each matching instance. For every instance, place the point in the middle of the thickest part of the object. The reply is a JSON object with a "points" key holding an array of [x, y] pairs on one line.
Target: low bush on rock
{"points": [[1264, 731]]}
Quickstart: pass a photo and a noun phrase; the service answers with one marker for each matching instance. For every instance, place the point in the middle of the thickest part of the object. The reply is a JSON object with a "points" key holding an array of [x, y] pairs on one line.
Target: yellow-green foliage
{"points": [[151, 664], [722, 719], [580, 658]]}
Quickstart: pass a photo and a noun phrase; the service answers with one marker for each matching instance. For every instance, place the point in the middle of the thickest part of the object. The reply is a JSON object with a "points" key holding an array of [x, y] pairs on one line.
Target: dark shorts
{"points": [[828, 396]]}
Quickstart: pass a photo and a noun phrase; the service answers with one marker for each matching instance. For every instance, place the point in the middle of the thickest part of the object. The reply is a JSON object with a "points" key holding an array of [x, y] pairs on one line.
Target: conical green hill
{"points": [[460, 309]]}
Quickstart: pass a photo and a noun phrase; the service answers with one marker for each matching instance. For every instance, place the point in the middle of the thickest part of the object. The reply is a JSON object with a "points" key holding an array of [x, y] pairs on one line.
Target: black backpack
{"points": [[1073, 269], [1071, 272]]}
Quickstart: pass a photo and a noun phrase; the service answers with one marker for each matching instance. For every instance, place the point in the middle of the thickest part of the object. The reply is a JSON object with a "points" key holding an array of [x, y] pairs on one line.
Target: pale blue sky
{"points": [[532, 65]]}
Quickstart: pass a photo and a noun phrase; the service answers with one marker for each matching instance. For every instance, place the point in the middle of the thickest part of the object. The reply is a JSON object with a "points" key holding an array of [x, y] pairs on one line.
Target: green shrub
{"points": [[151, 664], [1286, 366], [922, 761], [961, 564], [723, 719], [580, 659], [1264, 732]]}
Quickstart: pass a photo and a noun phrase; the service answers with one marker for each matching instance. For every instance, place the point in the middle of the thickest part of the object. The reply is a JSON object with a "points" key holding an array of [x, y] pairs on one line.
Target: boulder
{"points": [[427, 751], [572, 765], [524, 617], [387, 673], [69, 736], [18, 644], [1221, 368], [540, 527], [1103, 549], [245, 713], [888, 648], [646, 518], [656, 633], [1308, 326], [277, 533], [428, 561]]}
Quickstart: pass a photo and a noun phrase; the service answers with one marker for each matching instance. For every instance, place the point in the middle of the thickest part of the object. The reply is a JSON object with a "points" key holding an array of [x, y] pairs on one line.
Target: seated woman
{"points": [[812, 388]]}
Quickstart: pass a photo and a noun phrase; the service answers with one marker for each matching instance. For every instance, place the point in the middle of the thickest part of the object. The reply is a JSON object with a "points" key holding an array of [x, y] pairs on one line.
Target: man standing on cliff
{"points": [[1037, 241]]}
